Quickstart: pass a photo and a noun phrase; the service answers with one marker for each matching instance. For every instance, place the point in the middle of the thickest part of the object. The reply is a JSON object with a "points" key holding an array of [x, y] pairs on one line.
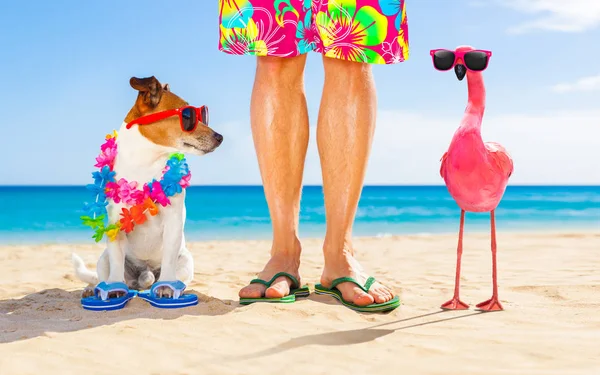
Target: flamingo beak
{"points": [[460, 71]]}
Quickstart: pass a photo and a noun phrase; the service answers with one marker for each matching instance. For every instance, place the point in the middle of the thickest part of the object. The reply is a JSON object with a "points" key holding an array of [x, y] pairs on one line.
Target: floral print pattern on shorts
{"points": [[368, 31]]}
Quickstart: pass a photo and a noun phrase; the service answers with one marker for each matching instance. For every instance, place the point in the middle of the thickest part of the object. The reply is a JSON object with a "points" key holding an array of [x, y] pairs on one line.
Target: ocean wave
{"points": [[380, 198], [319, 210], [558, 197], [399, 198], [233, 220], [372, 212], [52, 225], [588, 212]]}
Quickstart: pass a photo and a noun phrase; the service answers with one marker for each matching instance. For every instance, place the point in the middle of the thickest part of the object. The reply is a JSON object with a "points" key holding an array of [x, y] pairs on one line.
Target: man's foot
{"points": [[345, 265], [282, 285]]}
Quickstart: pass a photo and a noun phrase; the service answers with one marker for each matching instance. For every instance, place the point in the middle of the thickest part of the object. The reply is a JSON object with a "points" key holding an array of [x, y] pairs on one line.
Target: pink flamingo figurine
{"points": [[475, 173]]}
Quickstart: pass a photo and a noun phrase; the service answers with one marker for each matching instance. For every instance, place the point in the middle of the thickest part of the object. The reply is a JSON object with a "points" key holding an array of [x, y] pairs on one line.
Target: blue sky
{"points": [[65, 68]]}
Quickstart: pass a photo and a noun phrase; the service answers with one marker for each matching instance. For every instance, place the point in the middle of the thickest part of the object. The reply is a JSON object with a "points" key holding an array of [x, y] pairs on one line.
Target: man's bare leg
{"points": [[279, 118], [344, 136]]}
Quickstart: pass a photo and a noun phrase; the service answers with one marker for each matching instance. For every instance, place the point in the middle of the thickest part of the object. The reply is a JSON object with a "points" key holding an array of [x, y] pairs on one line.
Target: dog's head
{"points": [[153, 97]]}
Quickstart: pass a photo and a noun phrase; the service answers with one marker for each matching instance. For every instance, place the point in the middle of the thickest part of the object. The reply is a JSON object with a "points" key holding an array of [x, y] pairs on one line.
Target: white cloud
{"points": [[584, 84], [556, 15], [553, 148]]}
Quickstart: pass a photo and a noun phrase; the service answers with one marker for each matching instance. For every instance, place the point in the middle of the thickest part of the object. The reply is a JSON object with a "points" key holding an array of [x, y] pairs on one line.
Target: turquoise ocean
{"points": [[50, 214]]}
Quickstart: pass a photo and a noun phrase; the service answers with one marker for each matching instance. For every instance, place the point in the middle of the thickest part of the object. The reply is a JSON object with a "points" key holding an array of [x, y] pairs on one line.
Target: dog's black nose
{"points": [[218, 137]]}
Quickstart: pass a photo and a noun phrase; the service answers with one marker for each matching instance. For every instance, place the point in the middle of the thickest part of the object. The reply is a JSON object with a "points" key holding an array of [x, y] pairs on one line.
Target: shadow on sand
{"points": [[356, 336], [57, 310]]}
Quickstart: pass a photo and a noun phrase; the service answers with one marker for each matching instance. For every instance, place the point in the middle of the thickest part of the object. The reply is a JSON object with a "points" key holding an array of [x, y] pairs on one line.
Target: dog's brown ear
{"points": [[150, 89], [166, 87]]}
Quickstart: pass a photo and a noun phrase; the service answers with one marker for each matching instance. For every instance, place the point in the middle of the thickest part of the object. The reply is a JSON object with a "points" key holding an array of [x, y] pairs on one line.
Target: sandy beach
{"points": [[549, 286]]}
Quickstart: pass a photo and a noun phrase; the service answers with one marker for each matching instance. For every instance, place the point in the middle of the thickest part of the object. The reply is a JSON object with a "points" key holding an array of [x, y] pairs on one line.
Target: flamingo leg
{"points": [[455, 303], [492, 304]]}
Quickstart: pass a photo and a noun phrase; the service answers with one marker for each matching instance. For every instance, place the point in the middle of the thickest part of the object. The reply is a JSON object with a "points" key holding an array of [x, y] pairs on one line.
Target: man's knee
{"points": [[281, 68], [343, 69]]}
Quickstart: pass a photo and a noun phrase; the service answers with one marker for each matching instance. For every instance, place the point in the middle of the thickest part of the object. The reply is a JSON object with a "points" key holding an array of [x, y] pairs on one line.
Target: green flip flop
{"points": [[375, 307], [295, 291]]}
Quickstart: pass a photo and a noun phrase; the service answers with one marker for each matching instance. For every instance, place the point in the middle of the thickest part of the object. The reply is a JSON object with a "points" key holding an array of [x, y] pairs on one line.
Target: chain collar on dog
{"points": [[176, 177]]}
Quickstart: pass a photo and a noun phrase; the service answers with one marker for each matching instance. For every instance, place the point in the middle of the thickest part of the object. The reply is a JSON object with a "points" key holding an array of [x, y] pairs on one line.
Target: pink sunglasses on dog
{"points": [[475, 61]]}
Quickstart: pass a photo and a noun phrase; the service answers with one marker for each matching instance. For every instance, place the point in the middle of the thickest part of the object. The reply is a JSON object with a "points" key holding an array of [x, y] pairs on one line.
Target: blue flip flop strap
{"points": [[370, 281], [176, 286], [104, 288]]}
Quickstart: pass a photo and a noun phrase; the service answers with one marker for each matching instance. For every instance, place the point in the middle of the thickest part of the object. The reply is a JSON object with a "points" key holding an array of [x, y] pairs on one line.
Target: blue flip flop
{"points": [[100, 300], [179, 299]]}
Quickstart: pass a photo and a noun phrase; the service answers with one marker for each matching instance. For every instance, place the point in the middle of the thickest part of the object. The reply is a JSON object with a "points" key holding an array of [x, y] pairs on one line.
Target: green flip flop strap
{"points": [[370, 281], [295, 282]]}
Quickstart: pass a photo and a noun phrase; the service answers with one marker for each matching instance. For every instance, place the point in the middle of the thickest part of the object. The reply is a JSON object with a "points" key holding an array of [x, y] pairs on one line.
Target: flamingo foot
{"points": [[491, 304], [455, 304]]}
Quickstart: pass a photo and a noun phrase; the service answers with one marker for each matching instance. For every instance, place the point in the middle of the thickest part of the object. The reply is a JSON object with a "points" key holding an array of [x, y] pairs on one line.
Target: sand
{"points": [[549, 285]]}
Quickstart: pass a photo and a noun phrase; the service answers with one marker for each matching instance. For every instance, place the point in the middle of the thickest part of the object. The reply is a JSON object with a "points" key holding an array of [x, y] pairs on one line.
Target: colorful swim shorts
{"points": [[369, 31]]}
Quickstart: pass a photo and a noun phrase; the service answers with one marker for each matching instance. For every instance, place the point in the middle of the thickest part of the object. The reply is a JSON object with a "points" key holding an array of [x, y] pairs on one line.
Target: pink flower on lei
{"points": [[112, 191], [137, 197], [126, 189], [106, 157], [109, 144], [158, 195], [107, 154], [185, 180]]}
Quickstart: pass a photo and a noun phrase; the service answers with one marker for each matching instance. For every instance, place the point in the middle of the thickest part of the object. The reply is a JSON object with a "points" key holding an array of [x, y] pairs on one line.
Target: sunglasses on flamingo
{"points": [[476, 60], [189, 117]]}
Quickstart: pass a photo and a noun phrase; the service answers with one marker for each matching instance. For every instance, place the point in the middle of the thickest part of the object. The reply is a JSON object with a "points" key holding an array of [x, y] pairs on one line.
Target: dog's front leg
{"points": [[116, 259], [113, 285], [172, 244], [116, 250]]}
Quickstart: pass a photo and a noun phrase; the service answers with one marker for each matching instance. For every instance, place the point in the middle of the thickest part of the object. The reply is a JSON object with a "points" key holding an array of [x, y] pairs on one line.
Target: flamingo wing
{"points": [[500, 157], [443, 165]]}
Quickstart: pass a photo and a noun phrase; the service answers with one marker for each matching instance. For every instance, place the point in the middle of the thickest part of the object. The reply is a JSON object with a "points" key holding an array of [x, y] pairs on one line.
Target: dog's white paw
{"points": [[118, 294], [164, 292], [87, 292]]}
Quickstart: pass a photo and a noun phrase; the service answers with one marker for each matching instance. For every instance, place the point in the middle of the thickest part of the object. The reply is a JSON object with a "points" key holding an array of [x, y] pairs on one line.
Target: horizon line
{"points": [[307, 185]]}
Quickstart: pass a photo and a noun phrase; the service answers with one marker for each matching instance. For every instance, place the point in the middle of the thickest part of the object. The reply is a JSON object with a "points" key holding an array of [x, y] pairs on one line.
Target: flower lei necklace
{"points": [[176, 177]]}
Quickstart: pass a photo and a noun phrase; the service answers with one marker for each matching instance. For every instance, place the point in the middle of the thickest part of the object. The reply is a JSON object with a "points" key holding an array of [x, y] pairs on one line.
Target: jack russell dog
{"points": [[154, 254]]}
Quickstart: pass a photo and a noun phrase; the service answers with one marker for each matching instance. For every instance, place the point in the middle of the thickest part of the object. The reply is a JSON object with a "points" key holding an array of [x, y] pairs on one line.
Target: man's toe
{"points": [[381, 297], [252, 291], [361, 298], [381, 294], [279, 289], [390, 291]]}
